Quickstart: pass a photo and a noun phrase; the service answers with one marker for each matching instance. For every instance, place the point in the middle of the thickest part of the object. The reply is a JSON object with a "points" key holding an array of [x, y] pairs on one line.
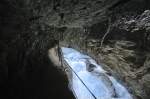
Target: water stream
{"points": [[100, 84]]}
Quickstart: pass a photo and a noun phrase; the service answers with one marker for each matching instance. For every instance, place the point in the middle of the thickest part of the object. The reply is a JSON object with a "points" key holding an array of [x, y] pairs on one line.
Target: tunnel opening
{"points": [[86, 78]]}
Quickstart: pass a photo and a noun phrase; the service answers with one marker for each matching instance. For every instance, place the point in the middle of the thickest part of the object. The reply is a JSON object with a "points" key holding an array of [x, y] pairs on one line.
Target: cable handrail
{"points": [[64, 61], [81, 80]]}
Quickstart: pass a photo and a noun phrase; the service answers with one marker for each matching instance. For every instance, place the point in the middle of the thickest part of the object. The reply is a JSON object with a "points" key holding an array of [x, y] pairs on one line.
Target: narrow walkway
{"points": [[90, 80]]}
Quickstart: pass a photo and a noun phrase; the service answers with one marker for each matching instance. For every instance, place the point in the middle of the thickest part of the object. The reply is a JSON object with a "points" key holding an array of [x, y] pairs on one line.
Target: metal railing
{"points": [[63, 61]]}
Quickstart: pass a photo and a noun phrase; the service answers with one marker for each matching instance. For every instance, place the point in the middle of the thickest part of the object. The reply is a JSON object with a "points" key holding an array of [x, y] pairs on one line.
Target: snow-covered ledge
{"points": [[99, 82]]}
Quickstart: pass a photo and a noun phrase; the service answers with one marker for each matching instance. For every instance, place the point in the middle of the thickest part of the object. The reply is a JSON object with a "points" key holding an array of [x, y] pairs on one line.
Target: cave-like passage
{"points": [[89, 78]]}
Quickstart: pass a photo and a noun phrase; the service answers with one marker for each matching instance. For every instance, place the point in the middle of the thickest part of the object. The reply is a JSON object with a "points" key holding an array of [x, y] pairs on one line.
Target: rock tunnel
{"points": [[114, 33]]}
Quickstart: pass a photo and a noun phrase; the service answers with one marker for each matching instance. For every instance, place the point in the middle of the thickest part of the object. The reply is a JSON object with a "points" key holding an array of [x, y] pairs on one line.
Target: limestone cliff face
{"points": [[114, 32], [124, 51], [117, 37]]}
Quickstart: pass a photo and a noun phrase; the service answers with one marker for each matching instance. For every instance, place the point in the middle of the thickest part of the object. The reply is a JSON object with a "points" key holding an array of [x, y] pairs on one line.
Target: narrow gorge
{"points": [[41, 40]]}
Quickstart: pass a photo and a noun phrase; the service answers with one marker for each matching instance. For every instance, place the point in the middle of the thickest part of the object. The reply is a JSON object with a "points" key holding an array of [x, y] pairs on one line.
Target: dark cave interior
{"points": [[26, 72], [31, 74]]}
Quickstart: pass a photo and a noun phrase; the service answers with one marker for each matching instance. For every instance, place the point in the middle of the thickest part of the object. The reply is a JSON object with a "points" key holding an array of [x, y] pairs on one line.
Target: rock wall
{"points": [[26, 71], [114, 32], [118, 38]]}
